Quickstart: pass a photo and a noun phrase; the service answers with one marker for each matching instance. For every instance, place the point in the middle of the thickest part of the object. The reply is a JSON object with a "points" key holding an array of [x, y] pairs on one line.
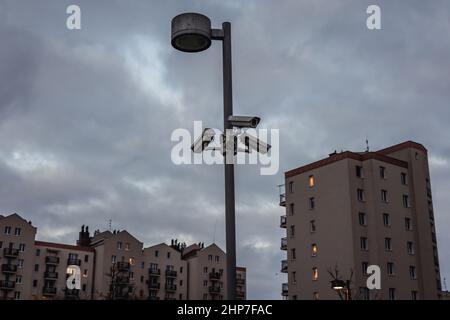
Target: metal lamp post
{"points": [[192, 32]]}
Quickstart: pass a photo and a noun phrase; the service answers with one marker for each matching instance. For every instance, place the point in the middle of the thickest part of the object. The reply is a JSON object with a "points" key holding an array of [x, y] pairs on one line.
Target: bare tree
{"points": [[345, 291]]}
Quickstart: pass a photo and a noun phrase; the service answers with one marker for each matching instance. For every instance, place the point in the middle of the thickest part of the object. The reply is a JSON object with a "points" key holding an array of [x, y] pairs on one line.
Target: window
{"points": [[312, 203], [384, 196], [85, 273], [386, 220], [119, 245], [17, 231], [205, 283], [168, 255], [383, 173], [390, 269], [22, 247], [291, 209], [293, 254], [315, 274], [205, 270], [205, 296], [7, 230], [365, 293], [294, 278], [131, 275], [36, 267], [84, 287], [181, 283], [113, 259], [217, 258], [38, 252], [410, 247], [156, 253], [408, 225], [292, 231], [361, 195], [312, 224], [364, 243], [362, 219], [315, 296], [364, 267], [1, 244], [127, 246], [388, 244], [18, 279], [181, 269], [311, 181], [391, 293], [412, 272], [406, 202], [20, 263], [17, 295], [413, 295], [404, 178], [35, 283], [359, 172], [314, 250], [86, 258], [294, 297], [210, 257], [291, 187]]}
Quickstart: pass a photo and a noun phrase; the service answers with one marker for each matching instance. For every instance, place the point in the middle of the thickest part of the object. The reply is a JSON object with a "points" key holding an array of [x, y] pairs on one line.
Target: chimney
{"points": [[83, 237]]}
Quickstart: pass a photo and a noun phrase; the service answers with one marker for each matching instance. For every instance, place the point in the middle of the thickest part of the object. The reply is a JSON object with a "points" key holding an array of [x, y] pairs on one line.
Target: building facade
{"points": [[108, 265], [352, 210]]}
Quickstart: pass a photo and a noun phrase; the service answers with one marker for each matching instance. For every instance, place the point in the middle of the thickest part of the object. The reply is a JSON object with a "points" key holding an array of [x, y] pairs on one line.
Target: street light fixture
{"points": [[192, 32], [342, 286]]}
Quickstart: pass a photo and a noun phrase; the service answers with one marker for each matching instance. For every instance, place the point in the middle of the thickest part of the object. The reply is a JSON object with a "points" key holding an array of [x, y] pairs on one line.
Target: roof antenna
{"points": [[110, 224], [367, 145]]}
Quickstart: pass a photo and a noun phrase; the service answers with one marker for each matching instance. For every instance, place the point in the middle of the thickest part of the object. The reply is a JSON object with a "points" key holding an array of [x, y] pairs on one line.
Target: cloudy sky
{"points": [[86, 116]]}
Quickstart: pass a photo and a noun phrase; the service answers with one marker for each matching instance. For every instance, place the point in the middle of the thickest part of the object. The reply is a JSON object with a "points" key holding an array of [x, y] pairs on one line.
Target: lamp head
{"points": [[191, 32]]}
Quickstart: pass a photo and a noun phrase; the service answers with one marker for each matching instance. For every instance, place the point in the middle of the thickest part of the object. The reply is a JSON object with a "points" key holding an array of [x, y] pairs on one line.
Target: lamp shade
{"points": [[191, 32]]}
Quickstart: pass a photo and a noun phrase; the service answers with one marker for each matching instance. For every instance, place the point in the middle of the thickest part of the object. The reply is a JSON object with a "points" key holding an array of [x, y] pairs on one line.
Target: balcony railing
{"points": [[283, 243], [153, 298], [123, 280], [284, 289], [9, 268], [283, 200], [284, 266], [72, 293], [171, 287], [240, 294], [51, 275], [153, 285], [154, 272], [123, 266], [46, 291], [171, 274], [11, 253], [240, 281], [51, 260], [7, 285], [73, 262], [215, 275], [214, 289], [283, 221]]}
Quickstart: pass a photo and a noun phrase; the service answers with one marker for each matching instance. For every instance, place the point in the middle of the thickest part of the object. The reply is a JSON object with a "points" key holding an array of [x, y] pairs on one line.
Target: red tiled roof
{"points": [[381, 155], [63, 246]]}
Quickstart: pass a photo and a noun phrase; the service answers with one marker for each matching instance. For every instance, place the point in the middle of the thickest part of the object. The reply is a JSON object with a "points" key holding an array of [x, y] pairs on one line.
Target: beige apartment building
{"points": [[355, 209], [109, 265]]}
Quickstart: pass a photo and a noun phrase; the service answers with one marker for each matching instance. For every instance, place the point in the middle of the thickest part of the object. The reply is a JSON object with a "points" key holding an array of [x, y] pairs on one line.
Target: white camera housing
{"points": [[202, 142], [252, 143]]}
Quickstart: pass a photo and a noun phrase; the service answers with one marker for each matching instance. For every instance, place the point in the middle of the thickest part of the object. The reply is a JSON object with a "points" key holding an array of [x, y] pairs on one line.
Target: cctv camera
{"points": [[203, 141], [252, 143], [243, 121]]}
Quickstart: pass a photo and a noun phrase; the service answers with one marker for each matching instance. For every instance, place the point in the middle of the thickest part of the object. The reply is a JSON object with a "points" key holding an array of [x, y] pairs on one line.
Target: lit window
{"points": [[315, 274], [131, 261], [386, 220], [314, 250], [311, 181]]}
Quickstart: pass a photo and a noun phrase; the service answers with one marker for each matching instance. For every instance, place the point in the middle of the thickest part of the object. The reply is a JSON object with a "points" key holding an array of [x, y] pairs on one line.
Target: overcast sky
{"points": [[86, 115]]}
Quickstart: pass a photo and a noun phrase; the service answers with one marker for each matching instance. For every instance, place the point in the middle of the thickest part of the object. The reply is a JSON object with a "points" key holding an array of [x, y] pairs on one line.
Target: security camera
{"points": [[252, 143], [244, 121], [203, 141]]}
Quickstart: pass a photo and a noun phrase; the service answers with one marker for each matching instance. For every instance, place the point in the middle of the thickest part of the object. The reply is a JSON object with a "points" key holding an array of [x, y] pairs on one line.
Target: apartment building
{"points": [[241, 290], [109, 265], [355, 209]]}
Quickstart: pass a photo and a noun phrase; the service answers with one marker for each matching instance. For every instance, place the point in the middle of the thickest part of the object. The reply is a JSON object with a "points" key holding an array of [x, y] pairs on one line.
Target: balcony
{"points": [[283, 199], [240, 281], [10, 253], [171, 287], [283, 221], [284, 266], [171, 274], [50, 275], [72, 293], [73, 262], [240, 294], [7, 285], [9, 268], [215, 275], [154, 298], [46, 291], [51, 260], [153, 286], [123, 280], [283, 243], [154, 272], [214, 289], [123, 266], [284, 289]]}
